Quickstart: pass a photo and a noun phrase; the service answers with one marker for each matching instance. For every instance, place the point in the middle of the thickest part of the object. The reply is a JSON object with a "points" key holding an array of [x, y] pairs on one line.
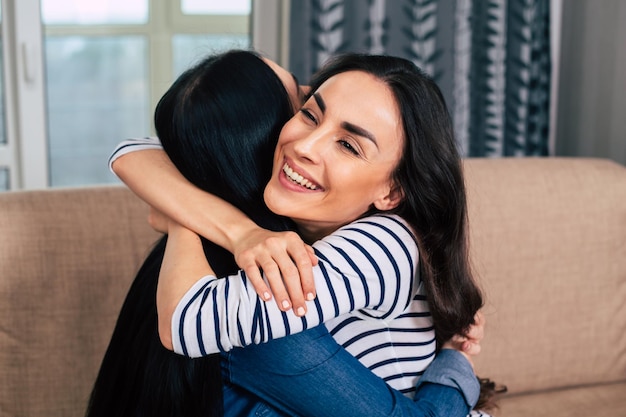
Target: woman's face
{"points": [[335, 157]]}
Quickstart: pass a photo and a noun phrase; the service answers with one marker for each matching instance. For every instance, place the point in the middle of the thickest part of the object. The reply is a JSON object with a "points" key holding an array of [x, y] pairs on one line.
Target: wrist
{"points": [[238, 232]]}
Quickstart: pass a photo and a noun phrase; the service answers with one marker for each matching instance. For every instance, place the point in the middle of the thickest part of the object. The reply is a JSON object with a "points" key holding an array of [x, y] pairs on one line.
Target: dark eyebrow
{"points": [[357, 130], [350, 127], [320, 102]]}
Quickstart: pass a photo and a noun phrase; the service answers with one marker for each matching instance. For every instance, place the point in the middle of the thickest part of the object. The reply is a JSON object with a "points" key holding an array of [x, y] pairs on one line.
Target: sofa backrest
{"points": [[67, 258], [548, 240], [548, 243]]}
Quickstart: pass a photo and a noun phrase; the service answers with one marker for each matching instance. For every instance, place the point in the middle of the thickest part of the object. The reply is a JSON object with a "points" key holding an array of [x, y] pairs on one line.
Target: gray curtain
{"points": [[491, 59]]}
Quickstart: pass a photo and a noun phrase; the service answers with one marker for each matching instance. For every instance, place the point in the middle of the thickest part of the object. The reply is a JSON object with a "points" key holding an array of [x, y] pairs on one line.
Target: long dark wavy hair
{"points": [[218, 123], [430, 176]]}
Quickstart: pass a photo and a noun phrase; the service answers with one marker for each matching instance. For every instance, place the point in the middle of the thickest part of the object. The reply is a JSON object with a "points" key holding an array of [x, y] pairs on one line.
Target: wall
{"points": [[591, 112]]}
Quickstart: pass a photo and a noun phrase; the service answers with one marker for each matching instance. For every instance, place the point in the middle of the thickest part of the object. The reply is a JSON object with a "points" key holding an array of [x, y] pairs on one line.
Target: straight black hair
{"points": [[218, 123]]}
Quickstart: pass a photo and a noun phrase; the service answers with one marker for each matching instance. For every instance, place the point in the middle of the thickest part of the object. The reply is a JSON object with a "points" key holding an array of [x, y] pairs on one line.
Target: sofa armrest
{"points": [[548, 243]]}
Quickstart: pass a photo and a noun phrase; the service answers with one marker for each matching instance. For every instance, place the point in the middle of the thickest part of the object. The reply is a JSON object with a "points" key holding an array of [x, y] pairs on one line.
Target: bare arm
{"points": [[286, 260], [183, 262], [153, 177]]}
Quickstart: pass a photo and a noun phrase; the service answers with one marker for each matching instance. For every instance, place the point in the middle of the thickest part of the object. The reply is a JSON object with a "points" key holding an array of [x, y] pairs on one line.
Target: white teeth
{"points": [[297, 178]]}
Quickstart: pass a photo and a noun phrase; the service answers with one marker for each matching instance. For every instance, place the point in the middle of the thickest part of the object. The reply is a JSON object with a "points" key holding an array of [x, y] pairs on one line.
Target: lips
{"points": [[299, 179]]}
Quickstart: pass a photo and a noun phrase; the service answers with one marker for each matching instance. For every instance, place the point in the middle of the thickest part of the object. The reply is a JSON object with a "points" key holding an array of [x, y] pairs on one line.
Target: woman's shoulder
{"points": [[391, 221], [132, 145], [380, 224]]}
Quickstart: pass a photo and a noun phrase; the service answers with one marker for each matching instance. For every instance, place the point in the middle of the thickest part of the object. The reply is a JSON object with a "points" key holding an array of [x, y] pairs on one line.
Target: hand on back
{"points": [[469, 343], [287, 264]]}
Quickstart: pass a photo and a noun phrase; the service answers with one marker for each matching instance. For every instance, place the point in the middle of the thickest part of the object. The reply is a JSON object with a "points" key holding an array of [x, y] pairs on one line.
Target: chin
{"points": [[270, 201]]}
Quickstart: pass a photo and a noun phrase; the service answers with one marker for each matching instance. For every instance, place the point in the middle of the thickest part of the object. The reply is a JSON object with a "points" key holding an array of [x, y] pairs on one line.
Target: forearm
{"points": [[151, 175], [183, 264]]}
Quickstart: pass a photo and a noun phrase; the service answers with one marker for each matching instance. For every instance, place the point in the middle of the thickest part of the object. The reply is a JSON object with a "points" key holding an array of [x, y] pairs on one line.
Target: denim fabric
{"points": [[309, 374], [451, 369], [241, 403]]}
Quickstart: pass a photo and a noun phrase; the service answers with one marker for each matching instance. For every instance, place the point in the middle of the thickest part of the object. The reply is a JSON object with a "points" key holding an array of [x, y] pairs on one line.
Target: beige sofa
{"points": [[548, 242]]}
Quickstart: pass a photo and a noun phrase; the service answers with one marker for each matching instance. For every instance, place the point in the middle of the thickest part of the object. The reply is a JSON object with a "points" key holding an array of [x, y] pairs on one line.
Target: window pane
{"points": [[89, 12], [97, 95], [215, 6], [189, 49], [4, 179]]}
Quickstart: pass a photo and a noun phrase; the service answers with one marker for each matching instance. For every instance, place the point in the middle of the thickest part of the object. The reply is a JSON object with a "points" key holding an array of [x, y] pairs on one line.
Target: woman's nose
{"points": [[312, 145]]}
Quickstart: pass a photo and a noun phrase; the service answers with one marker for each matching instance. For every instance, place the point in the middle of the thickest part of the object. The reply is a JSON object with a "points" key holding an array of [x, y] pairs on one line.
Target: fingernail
{"points": [[310, 296], [300, 311], [285, 304], [266, 295]]}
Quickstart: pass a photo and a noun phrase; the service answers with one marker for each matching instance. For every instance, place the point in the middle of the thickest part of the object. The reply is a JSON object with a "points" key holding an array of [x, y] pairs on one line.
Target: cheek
{"points": [[367, 177], [288, 132]]}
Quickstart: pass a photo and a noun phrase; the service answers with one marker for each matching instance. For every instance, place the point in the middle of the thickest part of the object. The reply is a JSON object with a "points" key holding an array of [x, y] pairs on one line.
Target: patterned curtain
{"points": [[491, 59]]}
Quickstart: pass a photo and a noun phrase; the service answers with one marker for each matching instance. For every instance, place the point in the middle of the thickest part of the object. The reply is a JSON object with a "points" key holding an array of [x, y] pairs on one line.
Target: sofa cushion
{"points": [[67, 258], [600, 400], [548, 243]]}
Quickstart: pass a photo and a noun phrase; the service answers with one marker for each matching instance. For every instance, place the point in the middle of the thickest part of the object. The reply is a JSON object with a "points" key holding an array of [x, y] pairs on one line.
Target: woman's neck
{"points": [[312, 233]]}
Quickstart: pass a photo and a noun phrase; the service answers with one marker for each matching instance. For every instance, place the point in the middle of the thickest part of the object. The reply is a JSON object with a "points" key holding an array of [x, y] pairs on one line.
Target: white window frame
{"points": [[26, 151]]}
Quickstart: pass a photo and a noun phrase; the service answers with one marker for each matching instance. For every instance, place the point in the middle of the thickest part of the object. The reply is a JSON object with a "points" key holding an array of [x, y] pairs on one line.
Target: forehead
{"points": [[361, 96], [358, 84], [366, 104]]}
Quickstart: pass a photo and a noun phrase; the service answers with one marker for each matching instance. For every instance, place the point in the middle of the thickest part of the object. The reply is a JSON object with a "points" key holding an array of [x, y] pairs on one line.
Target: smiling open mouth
{"points": [[297, 178]]}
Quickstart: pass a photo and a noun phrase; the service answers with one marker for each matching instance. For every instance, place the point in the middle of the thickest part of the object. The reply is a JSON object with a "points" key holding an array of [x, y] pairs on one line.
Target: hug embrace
{"points": [[344, 205]]}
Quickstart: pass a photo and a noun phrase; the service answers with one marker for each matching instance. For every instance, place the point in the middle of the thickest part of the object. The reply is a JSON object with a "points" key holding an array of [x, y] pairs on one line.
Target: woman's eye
{"points": [[349, 147], [308, 115]]}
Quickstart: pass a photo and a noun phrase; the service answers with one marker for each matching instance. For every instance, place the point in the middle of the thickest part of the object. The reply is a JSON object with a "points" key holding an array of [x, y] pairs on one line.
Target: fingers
{"points": [[469, 343], [463, 344], [253, 273], [284, 280], [471, 348], [477, 330], [292, 263], [252, 264], [312, 255], [304, 258], [286, 263]]}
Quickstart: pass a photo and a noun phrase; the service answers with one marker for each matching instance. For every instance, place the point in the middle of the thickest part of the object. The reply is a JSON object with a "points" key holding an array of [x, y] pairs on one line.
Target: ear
{"points": [[391, 200]]}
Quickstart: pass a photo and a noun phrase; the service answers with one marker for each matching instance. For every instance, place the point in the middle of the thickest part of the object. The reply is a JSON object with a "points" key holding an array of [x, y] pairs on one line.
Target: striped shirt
{"points": [[369, 296]]}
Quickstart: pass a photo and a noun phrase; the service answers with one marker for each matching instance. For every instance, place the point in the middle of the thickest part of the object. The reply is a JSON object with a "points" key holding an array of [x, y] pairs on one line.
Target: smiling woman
{"points": [[347, 151]]}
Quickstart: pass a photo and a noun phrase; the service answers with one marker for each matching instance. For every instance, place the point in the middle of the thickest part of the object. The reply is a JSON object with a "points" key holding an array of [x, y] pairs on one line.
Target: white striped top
{"points": [[369, 295]]}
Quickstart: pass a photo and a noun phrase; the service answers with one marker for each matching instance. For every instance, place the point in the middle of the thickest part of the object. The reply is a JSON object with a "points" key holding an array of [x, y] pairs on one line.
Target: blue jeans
{"points": [[309, 374]]}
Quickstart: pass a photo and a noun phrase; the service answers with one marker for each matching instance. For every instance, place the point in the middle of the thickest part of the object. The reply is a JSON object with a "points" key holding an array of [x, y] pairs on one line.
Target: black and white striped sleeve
{"points": [[132, 145], [368, 266]]}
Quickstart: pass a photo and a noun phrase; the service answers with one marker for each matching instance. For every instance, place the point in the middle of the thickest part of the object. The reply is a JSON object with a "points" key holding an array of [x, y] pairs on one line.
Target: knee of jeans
{"points": [[286, 356]]}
